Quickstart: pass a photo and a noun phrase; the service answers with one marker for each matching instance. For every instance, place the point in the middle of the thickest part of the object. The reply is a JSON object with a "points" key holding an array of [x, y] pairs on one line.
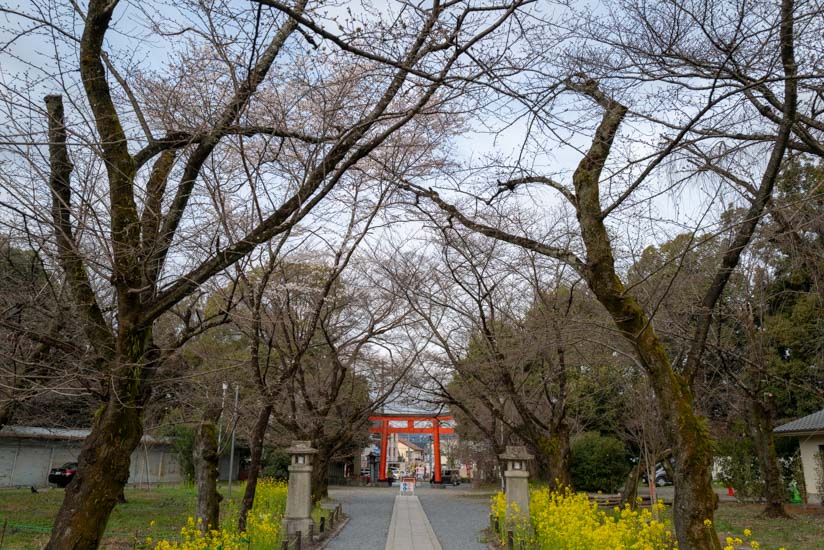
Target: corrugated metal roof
{"points": [[35, 432], [810, 423]]}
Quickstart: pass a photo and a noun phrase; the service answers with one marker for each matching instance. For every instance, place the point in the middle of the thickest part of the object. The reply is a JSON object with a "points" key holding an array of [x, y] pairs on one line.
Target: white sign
{"points": [[408, 486]]}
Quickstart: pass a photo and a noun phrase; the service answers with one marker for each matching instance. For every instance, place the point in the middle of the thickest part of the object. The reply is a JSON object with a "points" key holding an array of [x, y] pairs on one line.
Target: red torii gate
{"points": [[411, 424]]}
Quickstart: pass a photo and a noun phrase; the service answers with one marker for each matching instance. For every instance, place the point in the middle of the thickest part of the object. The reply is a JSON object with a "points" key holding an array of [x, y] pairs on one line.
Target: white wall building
{"points": [[27, 454], [810, 433]]}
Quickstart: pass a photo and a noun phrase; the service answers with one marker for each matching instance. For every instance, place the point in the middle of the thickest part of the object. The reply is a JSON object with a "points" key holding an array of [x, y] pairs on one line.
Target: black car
{"points": [[63, 475], [448, 477]]}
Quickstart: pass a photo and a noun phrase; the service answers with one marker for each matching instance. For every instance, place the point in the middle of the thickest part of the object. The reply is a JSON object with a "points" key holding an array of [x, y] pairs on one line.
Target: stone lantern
{"points": [[516, 476], [298, 516]]}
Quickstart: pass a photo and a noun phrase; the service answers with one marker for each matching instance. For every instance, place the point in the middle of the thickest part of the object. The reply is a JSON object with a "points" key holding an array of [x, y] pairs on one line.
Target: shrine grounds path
{"points": [[457, 516]]}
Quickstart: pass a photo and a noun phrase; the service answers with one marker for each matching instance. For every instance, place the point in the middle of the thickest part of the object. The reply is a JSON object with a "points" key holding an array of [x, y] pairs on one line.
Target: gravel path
{"points": [[457, 517], [369, 511]]}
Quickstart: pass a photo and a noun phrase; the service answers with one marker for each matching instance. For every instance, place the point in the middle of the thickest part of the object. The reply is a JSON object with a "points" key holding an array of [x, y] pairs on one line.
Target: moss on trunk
{"points": [[206, 471], [759, 422], [103, 470], [256, 451]]}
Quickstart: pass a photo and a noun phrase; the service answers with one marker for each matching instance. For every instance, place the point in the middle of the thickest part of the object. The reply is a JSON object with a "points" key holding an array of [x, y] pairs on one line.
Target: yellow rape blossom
{"points": [[566, 520], [263, 525]]}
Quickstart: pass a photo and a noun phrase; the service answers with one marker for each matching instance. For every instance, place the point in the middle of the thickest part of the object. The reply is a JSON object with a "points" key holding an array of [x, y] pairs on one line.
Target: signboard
{"points": [[408, 486]]}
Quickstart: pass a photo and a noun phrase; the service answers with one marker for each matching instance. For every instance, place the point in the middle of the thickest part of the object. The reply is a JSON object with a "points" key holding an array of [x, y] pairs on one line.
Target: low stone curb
{"points": [[320, 545]]}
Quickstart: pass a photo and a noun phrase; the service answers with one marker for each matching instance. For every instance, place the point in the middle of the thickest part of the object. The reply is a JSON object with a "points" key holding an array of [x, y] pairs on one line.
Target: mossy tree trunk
{"points": [[127, 354], [553, 456], [320, 475], [256, 451], [695, 500], [145, 213], [206, 460], [629, 494], [103, 470], [124, 351], [759, 422]]}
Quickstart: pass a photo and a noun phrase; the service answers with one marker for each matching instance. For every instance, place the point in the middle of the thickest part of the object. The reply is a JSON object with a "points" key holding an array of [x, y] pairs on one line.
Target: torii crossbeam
{"points": [[411, 424]]}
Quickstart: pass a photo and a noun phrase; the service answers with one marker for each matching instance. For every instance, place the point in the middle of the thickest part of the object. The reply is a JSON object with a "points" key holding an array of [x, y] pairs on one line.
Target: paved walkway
{"points": [[380, 519], [369, 511], [410, 529], [457, 516]]}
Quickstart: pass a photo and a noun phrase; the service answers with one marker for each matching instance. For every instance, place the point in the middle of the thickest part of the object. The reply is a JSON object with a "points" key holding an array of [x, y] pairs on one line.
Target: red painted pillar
{"points": [[436, 443], [384, 445]]}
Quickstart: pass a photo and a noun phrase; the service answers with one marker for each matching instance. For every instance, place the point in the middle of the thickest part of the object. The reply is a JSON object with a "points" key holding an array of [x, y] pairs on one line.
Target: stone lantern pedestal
{"points": [[516, 476], [298, 516]]}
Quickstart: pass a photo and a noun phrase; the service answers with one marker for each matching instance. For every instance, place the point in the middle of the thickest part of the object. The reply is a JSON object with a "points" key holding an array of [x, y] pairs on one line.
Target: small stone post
{"points": [[298, 516], [517, 480]]}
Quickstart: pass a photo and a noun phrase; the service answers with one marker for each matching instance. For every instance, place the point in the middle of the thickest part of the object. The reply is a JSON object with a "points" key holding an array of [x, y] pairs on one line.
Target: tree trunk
{"points": [[206, 471], [553, 458], [629, 494], [695, 501], [320, 475], [759, 422], [6, 412], [667, 466], [103, 470], [254, 468]]}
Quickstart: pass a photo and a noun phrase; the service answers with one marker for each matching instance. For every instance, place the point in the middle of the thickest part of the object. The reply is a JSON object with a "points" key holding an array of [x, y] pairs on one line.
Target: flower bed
{"points": [[567, 520], [263, 526]]}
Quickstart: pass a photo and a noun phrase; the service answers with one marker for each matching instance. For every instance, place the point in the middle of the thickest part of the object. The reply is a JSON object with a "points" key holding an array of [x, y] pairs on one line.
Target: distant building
{"points": [[27, 454], [810, 433], [408, 451]]}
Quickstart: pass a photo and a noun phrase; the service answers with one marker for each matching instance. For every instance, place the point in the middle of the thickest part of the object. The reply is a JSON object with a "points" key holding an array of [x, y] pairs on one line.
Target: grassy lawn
{"points": [[805, 531], [167, 506]]}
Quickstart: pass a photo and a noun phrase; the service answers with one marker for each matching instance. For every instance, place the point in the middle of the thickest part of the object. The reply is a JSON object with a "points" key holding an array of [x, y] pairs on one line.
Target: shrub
{"points": [[183, 440], [738, 467], [599, 463], [275, 465]]}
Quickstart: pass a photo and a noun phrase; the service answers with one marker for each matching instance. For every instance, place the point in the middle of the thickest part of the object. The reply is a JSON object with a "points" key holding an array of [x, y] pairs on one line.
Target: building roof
{"points": [[807, 424], [409, 444], [35, 432]]}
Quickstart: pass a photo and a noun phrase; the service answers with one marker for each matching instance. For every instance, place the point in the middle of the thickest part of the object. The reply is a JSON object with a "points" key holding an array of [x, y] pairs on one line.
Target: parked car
{"points": [[661, 477], [448, 477], [63, 475]]}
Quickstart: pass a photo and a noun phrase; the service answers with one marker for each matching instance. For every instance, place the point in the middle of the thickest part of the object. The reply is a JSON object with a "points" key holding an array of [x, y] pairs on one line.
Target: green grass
{"points": [[167, 506], [805, 531]]}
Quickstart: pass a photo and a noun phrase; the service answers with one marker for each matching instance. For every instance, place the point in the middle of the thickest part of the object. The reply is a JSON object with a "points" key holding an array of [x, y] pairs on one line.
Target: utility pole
{"points": [[232, 452], [219, 423]]}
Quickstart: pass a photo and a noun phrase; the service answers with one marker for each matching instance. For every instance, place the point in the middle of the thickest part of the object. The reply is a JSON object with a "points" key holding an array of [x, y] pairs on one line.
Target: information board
{"points": [[408, 486]]}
